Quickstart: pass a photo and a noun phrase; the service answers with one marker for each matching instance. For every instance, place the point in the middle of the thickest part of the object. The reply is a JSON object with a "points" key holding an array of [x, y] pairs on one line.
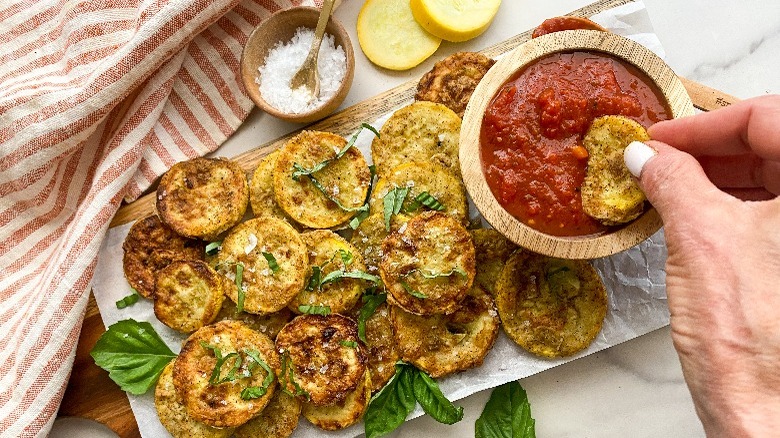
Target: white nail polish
{"points": [[636, 155]]}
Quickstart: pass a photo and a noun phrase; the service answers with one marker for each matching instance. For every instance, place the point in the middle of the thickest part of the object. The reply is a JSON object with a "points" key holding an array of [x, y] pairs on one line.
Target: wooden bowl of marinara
{"points": [[521, 152]]}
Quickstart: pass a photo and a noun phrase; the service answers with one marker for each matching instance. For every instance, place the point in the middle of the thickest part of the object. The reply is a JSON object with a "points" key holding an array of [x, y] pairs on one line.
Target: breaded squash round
{"points": [[203, 197], [251, 244], [443, 344], [421, 132], [369, 235], [329, 252], [492, 250], [188, 295], [261, 190], [342, 414], [173, 415], [610, 194], [325, 356], [345, 180], [213, 397], [550, 307], [452, 80], [382, 348], [428, 266], [278, 420], [431, 178], [268, 324], [150, 246]]}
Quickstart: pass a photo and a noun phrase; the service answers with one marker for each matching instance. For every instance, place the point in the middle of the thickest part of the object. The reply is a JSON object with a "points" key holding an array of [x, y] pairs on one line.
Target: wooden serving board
{"points": [[91, 393]]}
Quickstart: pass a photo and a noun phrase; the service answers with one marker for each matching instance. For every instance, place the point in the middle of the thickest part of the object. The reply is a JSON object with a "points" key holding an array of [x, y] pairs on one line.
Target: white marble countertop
{"points": [[636, 388]]}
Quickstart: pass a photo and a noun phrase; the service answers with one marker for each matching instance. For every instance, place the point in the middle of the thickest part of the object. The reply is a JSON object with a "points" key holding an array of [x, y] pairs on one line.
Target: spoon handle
{"points": [[319, 32]]}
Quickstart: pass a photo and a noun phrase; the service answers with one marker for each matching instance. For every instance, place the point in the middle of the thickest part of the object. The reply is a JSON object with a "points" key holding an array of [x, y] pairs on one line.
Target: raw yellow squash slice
{"points": [[455, 20]]}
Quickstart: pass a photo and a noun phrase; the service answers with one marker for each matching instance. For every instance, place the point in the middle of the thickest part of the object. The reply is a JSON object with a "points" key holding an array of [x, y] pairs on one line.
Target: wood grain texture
{"points": [[90, 392]]}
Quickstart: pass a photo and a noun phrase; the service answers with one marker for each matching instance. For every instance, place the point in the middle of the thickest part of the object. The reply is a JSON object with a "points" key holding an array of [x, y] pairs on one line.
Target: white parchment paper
{"points": [[634, 280]]}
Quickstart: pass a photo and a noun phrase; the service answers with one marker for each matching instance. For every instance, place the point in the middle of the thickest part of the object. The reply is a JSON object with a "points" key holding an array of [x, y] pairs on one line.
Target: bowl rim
{"points": [[569, 247], [249, 73]]}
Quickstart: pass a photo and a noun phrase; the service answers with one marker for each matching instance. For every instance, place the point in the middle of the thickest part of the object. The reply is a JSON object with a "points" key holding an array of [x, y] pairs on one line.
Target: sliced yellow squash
{"points": [[455, 20], [390, 37]]}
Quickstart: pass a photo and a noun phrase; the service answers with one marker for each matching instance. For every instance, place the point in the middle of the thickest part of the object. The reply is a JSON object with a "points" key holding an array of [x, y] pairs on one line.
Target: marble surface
{"points": [[636, 388]]}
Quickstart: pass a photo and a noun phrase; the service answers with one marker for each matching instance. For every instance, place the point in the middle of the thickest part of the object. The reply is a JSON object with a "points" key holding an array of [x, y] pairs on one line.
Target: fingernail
{"points": [[636, 155]]}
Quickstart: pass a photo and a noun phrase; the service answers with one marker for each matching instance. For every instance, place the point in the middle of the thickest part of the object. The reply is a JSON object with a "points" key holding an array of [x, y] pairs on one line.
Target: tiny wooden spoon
{"points": [[307, 76]]}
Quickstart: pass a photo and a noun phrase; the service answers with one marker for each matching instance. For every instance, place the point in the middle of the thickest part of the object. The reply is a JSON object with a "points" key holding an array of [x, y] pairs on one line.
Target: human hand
{"points": [[716, 191]]}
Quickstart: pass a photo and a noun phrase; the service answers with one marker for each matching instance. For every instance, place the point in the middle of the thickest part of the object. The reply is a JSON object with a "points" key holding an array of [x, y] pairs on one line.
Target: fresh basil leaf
{"points": [[216, 374], [340, 274], [370, 304], [429, 201], [412, 292], [314, 280], [213, 247], [133, 354], [258, 391], [316, 183], [433, 402], [431, 275], [128, 300], [390, 407], [287, 377], [361, 215], [240, 286], [507, 414], [314, 310], [346, 257], [300, 171], [392, 203], [350, 344], [271, 262]]}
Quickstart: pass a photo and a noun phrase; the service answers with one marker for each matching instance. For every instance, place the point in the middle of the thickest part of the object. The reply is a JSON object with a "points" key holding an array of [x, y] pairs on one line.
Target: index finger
{"points": [[744, 127]]}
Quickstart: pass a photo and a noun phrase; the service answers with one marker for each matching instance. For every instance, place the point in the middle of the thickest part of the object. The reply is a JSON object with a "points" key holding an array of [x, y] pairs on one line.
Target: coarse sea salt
{"points": [[284, 60]]}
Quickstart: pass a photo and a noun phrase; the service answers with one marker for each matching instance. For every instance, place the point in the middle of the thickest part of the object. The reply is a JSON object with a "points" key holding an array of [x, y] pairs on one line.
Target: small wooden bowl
{"points": [[281, 27], [575, 247]]}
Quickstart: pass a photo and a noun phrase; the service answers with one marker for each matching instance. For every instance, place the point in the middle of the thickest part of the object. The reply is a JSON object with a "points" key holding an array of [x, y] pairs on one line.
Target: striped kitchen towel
{"points": [[97, 99]]}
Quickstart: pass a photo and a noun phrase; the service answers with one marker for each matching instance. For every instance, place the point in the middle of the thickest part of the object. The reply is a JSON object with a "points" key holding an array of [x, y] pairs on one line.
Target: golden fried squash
{"points": [[323, 359], [342, 414], [452, 80], [268, 324], [203, 197], [492, 250], [550, 307], [278, 420], [422, 132], [329, 253], [431, 178], [188, 295], [444, 344], [173, 415], [343, 182], [272, 259], [428, 265], [150, 246], [609, 193], [382, 349], [370, 234], [261, 190], [217, 365]]}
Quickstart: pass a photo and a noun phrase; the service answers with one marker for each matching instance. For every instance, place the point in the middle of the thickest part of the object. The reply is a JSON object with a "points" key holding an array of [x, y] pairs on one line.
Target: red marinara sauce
{"points": [[532, 131]]}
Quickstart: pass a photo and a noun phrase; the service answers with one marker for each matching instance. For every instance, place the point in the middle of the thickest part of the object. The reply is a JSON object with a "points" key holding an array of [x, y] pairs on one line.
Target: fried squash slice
{"points": [[431, 178], [329, 253], [369, 235], [173, 415], [203, 197], [492, 251], [278, 420], [272, 259], [444, 344], [452, 80], [609, 193], [550, 307], [150, 246], [383, 351], [262, 198], [323, 359], [268, 324], [188, 294], [329, 196], [428, 266], [217, 364], [421, 132], [342, 414]]}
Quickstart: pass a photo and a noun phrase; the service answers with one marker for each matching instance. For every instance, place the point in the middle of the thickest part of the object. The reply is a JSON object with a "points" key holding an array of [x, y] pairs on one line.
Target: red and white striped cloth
{"points": [[70, 152]]}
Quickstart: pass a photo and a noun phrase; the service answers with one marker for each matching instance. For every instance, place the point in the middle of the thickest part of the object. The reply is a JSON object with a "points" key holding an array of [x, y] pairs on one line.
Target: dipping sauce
{"points": [[532, 131]]}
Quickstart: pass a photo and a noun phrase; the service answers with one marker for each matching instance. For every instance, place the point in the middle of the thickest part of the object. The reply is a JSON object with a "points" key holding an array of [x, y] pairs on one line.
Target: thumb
{"points": [[673, 181]]}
